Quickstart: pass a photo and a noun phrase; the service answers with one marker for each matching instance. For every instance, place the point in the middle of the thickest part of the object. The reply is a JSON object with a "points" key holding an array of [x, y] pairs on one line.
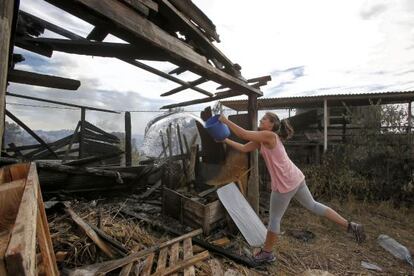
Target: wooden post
{"points": [[253, 182], [128, 144], [325, 125], [6, 17], [81, 132], [409, 117]]}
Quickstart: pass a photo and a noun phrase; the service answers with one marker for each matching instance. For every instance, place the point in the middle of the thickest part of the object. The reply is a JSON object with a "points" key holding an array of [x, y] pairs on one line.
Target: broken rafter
{"points": [[181, 88], [60, 103], [97, 48], [32, 78], [218, 96], [259, 80], [134, 28], [31, 132], [51, 27]]}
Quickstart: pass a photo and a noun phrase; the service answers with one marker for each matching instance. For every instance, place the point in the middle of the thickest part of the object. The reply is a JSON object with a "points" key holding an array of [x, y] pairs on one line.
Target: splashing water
{"points": [[159, 127]]}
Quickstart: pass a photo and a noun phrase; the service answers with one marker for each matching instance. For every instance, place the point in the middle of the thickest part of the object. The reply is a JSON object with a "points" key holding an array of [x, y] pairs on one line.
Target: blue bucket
{"points": [[217, 129]]}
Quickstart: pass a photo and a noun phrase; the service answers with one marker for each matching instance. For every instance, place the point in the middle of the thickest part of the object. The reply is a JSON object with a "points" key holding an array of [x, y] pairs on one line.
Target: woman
{"points": [[287, 180]]}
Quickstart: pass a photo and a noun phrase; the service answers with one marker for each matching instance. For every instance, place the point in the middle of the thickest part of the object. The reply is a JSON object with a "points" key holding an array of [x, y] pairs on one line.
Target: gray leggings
{"points": [[280, 201]]}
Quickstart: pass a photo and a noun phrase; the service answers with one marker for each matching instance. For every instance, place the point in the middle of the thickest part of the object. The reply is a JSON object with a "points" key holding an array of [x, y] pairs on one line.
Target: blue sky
{"points": [[309, 48]]}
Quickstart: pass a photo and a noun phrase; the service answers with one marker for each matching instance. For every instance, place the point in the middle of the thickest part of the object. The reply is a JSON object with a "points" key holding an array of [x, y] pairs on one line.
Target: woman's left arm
{"points": [[249, 135]]}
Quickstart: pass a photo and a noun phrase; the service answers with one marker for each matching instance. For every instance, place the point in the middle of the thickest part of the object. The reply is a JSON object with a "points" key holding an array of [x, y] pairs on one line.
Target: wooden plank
{"points": [[10, 197], [21, 252], [25, 77], [60, 103], [183, 264], [4, 241], [174, 250], [134, 28], [90, 233], [146, 271], [31, 132], [75, 137], [100, 131], [188, 253], [126, 270], [105, 267], [44, 239], [6, 22], [100, 49], [215, 266], [162, 259]]}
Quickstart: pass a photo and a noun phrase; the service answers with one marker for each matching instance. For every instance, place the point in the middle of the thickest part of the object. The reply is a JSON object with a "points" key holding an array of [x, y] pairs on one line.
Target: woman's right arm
{"points": [[248, 147]]}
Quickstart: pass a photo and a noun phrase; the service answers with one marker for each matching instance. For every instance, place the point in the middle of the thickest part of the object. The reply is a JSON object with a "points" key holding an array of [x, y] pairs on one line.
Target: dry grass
{"points": [[335, 251], [331, 250]]}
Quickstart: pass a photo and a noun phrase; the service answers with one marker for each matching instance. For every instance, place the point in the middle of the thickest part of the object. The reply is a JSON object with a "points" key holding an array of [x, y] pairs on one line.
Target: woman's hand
{"points": [[222, 118]]}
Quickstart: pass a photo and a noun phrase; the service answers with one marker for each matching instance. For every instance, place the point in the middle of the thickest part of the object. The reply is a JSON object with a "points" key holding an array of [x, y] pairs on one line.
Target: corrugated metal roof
{"points": [[317, 101]]}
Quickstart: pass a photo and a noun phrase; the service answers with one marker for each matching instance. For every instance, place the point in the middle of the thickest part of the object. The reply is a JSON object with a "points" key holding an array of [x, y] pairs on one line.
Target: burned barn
{"points": [[89, 163]]}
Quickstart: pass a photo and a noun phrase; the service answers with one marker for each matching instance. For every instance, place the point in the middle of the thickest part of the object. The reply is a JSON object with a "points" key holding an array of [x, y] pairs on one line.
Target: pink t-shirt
{"points": [[283, 172]]}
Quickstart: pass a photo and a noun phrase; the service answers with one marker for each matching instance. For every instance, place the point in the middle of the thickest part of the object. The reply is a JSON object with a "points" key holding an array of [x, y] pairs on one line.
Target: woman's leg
{"points": [[278, 205], [304, 196]]}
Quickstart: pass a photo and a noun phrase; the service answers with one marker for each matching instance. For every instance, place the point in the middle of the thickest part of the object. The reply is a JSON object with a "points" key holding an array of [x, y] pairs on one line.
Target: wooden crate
{"points": [[192, 213]]}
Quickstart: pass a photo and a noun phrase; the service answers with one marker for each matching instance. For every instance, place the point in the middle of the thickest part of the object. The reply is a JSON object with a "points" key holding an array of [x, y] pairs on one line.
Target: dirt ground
{"points": [[330, 249]]}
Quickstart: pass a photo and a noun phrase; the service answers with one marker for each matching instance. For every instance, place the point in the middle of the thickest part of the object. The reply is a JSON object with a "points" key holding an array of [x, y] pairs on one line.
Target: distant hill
{"points": [[15, 134]]}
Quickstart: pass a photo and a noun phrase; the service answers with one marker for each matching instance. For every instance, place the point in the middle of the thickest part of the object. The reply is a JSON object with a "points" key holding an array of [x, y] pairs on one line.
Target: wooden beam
{"points": [[178, 71], [128, 141], [60, 103], [254, 82], [182, 264], [51, 27], [6, 22], [32, 78], [132, 27], [98, 33], [189, 29], [150, 4], [31, 132], [40, 49], [101, 49], [181, 88]]}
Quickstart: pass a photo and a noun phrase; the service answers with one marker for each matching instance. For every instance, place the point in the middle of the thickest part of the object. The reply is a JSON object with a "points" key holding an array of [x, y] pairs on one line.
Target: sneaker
{"points": [[264, 257], [357, 230]]}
